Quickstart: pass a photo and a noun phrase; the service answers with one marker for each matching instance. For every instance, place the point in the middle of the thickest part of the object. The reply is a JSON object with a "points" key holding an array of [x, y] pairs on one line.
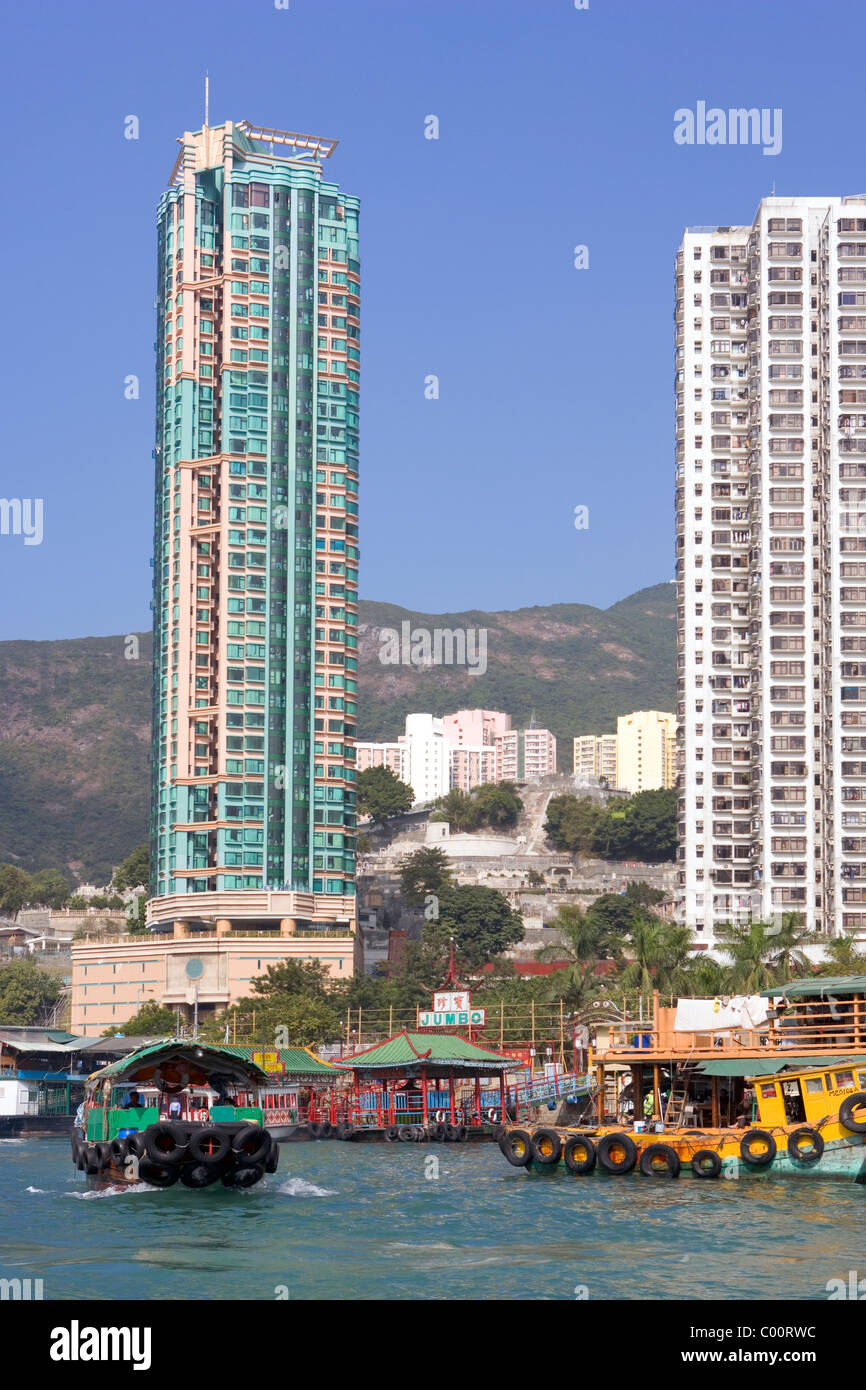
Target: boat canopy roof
{"points": [[207, 1057], [819, 987], [769, 1066]]}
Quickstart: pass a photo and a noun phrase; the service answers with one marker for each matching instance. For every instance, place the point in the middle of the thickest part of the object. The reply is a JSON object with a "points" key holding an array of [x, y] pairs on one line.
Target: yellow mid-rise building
{"points": [[639, 757]]}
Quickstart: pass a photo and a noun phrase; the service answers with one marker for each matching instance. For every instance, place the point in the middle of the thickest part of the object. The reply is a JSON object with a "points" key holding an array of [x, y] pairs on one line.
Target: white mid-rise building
{"points": [[771, 566]]}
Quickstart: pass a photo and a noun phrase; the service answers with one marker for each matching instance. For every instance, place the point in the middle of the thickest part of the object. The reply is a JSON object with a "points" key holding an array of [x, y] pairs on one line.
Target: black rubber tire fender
{"points": [[392, 1134], [103, 1154], [247, 1176], [327, 1129], [461, 1133], [136, 1144], [198, 1175], [706, 1163], [272, 1162], [119, 1150], [810, 1156], [90, 1159], [546, 1148], [250, 1145], [440, 1132], [757, 1158], [165, 1143], [579, 1155], [315, 1129], [846, 1113], [209, 1146], [516, 1144], [666, 1154], [405, 1134], [158, 1174], [611, 1142]]}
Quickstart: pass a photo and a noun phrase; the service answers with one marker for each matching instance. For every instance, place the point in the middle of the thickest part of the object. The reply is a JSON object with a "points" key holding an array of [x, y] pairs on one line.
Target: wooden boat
{"points": [[811, 1122], [175, 1111]]}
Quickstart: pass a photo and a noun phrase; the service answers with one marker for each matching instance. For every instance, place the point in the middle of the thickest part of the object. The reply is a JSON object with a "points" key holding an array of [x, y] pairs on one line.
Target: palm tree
{"points": [[660, 956], [761, 955], [581, 946], [788, 960], [842, 957], [458, 808], [706, 978]]}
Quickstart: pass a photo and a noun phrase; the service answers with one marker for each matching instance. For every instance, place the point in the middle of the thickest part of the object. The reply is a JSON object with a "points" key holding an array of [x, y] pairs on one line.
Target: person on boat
{"points": [[744, 1111]]}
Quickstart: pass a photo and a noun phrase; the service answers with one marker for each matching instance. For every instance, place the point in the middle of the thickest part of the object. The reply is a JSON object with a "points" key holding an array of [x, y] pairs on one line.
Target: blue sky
{"points": [[555, 129]]}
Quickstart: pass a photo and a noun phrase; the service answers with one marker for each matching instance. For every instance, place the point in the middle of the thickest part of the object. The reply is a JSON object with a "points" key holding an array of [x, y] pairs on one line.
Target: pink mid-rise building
{"points": [[472, 767], [391, 755], [475, 728]]}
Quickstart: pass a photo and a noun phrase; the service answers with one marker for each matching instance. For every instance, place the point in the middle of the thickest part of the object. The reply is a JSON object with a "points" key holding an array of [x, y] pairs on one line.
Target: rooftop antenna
{"points": [[206, 98]]}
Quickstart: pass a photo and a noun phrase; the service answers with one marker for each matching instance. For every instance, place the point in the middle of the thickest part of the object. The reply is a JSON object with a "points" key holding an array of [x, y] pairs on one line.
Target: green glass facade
{"points": [[256, 523]]}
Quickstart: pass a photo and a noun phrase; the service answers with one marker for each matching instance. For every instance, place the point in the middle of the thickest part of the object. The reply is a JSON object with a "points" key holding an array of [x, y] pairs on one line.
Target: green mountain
{"points": [[75, 715]]}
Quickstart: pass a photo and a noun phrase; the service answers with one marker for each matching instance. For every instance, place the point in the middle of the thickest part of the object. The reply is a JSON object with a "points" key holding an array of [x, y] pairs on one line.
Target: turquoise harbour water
{"points": [[363, 1221]]}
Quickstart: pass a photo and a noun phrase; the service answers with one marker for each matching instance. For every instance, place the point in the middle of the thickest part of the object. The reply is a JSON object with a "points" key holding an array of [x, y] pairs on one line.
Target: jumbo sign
{"points": [[452, 1018]]}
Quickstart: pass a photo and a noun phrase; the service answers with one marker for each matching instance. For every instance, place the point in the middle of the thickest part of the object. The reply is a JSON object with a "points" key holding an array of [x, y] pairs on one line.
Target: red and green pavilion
{"points": [[423, 1069]]}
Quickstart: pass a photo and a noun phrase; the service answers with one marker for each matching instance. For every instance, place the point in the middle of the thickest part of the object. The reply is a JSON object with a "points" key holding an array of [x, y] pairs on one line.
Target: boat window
{"points": [[843, 1078], [814, 1083], [861, 1078], [768, 1092]]}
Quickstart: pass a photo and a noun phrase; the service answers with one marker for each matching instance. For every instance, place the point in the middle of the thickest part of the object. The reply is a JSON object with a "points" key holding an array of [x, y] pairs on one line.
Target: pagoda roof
{"points": [[445, 1051]]}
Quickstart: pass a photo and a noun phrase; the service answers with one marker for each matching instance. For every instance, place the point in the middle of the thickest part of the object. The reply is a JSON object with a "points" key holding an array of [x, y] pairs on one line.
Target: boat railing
{"points": [[825, 1027]]}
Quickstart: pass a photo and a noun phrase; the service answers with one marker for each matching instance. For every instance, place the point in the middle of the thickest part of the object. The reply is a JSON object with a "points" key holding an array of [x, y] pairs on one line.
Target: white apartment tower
{"points": [[771, 566]]}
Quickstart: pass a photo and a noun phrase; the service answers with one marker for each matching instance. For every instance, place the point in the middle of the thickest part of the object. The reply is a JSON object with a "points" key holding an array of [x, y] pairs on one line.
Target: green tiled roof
{"points": [[818, 987], [433, 1049], [297, 1061]]}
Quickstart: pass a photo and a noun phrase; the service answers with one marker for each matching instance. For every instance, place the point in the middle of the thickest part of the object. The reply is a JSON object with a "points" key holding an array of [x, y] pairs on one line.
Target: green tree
{"points": [[753, 953], [151, 1021], [789, 961], [15, 889], [644, 827], [842, 956], [480, 920], [27, 994], [428, 870], [573, 822], [583, 942], [49, 888], [660, 956], [497, 804], [134, 872], [459, 809], [381, 794], [291, 977], [643, 894]]}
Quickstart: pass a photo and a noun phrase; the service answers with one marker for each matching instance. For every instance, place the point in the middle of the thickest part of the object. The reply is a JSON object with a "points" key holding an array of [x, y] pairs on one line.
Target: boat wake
{"points": [[113, 1191], [299, 1187]]}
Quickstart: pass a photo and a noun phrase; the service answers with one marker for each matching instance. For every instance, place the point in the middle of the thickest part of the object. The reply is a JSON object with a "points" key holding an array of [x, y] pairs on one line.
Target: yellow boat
{"points": [[810, 1121]]}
